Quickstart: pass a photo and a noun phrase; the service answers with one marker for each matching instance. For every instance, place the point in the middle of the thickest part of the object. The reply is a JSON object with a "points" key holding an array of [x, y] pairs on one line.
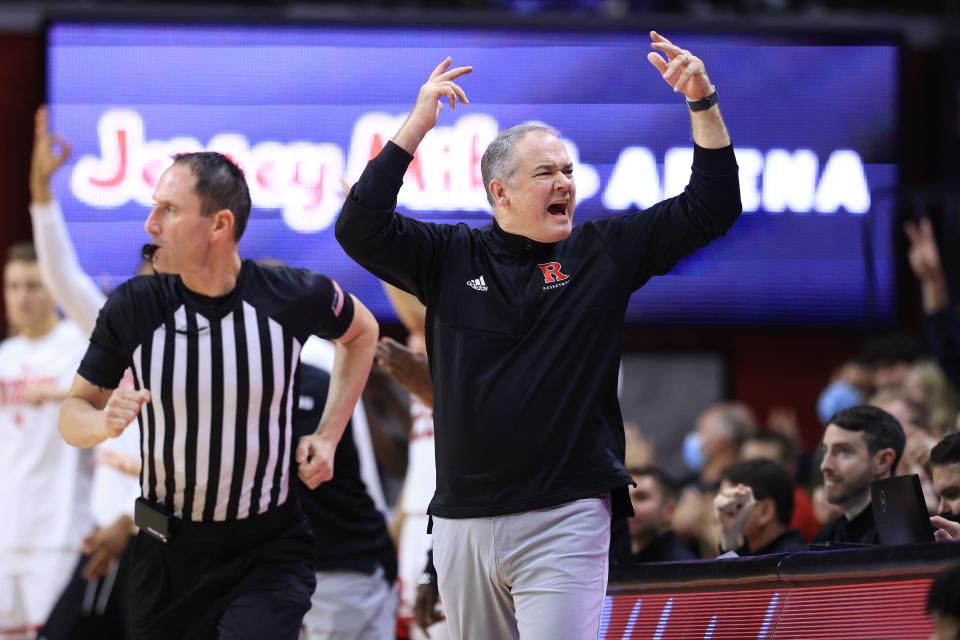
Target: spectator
{"points": [[754, 508], [654, 501], [714, 443], [916, 453], [889, 358], [945, 463], [941, 322], [927, 385], [861, 444], [767, 445], [849, 386], [943, 604]]}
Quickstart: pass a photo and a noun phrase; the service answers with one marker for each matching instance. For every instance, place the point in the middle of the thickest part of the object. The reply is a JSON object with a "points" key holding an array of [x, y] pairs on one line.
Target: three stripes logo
{"points": [[478, 283]]}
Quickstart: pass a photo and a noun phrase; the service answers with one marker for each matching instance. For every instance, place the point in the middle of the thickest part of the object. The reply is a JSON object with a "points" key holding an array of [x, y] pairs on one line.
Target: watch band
{"points": [[703, 103]]}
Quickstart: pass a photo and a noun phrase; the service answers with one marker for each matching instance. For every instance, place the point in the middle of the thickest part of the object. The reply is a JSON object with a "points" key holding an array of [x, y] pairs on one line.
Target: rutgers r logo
{"points": [[552, 273]]}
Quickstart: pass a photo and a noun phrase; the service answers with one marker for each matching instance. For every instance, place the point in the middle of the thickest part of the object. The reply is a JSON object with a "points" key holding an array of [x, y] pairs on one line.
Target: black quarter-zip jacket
{"points": [[524, 338]]}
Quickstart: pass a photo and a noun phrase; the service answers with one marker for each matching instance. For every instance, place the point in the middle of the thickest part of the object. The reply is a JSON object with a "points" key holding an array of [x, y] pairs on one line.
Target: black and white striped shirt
{"points": [[217, 437]]}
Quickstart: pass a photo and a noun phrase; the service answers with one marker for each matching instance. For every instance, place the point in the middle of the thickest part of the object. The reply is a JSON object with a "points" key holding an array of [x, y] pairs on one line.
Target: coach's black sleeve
{"points": [[649, 243], [402, 251]]}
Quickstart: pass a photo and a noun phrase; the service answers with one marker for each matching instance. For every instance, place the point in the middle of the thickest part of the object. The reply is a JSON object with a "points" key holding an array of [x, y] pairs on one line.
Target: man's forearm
{"points": [[409, 137], [72, 289], [731, 539], [709, 131], [351, 368], [934, 294], [81, 424]]}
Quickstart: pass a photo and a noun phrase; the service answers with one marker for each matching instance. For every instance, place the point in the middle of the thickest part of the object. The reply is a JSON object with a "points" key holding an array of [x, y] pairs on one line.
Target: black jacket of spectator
{"points": [[860, 530], [664, 548], [787, 542]]}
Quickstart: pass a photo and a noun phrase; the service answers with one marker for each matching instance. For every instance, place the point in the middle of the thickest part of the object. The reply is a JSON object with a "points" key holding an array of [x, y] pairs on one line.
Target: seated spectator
{"points": [[943, 604], [754, 508], [767, 445], [654, 503], [889, 358], [710, 447], [927, 385], [945, 463], [715, 441], [913, 417], [861, 444], [849, 385]]}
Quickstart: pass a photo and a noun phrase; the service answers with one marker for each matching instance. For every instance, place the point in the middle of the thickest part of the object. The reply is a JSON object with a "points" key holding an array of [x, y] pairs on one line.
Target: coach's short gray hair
{"points": [[498, 160]]}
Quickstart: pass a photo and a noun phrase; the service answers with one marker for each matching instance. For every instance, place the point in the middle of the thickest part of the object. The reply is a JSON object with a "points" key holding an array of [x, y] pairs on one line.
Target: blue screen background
{"points": [[285, 84]]}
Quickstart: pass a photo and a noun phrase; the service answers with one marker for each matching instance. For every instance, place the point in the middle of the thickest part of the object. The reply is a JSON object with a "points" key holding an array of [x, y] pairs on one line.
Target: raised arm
{"points": [[351, 367], [397, 249], [72, 289], [686, 73], [426, 110]]}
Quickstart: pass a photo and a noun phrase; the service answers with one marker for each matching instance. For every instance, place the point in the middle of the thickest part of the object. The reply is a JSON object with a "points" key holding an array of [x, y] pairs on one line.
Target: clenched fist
{"points": [[122, 408]]}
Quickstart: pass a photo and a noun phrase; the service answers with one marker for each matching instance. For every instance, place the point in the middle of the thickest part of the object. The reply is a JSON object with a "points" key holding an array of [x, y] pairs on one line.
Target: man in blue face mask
{"points": [[715, 440], [711, 446]]}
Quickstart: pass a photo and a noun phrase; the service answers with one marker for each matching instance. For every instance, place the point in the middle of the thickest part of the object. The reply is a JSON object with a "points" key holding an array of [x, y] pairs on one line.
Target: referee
{"points": [[213, 342]]}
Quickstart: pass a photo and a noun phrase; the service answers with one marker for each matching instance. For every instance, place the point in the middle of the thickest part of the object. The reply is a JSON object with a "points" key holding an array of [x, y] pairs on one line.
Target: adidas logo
{"points": [[478, 284]]}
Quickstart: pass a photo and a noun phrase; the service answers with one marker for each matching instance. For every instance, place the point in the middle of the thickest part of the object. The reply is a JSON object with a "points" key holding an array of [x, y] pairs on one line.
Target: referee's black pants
{"points": [[244, 580]]}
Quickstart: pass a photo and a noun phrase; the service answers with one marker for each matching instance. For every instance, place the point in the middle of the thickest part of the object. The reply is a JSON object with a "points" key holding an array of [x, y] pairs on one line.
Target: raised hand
{"points": [[923, 253], [122, 408], [426, 110], [681, 69], [732, 508], [50, 152], [925, 262]]}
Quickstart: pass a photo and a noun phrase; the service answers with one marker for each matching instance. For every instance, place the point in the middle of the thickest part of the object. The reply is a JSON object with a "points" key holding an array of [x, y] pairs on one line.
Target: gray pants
{"points": [[347, 605], [534, 575]]}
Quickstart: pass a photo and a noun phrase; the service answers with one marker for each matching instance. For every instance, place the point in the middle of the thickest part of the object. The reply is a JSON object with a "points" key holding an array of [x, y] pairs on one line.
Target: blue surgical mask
{"points": [[693, 451], [838, 395]]}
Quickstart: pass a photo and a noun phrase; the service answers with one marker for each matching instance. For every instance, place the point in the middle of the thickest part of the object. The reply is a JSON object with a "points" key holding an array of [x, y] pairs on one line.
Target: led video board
{"points": [[302, 108]]}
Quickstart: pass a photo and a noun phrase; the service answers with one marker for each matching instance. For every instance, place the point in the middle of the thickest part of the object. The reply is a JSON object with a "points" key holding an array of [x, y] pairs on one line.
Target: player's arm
{"points": [[72, 289], [91, 414], [351, 367]]}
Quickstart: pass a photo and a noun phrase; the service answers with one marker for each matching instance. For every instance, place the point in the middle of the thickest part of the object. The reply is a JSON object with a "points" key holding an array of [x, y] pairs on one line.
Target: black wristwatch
{"points": [[703, 103]]}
